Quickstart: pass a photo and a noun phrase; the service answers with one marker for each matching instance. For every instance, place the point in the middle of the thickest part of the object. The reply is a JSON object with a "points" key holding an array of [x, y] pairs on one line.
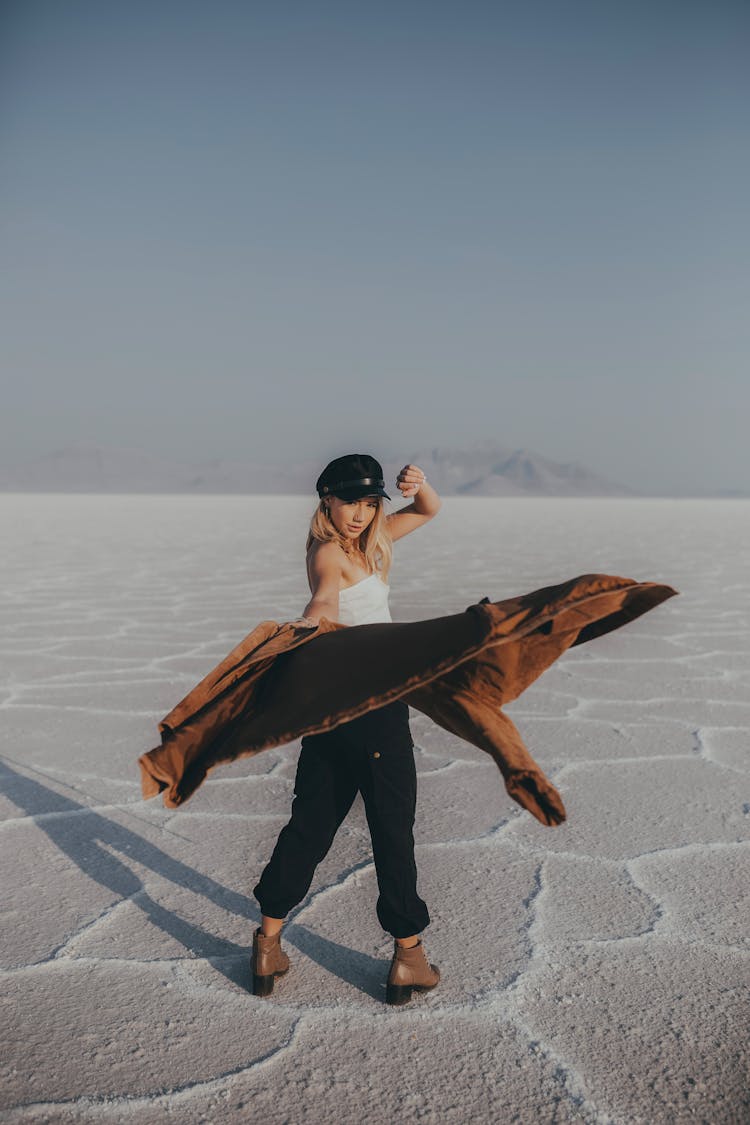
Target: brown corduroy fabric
{"points": [[287, 679]]}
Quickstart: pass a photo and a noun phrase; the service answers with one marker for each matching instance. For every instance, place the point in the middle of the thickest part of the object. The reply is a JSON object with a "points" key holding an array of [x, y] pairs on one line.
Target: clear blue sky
{"points": [[262, 230]]}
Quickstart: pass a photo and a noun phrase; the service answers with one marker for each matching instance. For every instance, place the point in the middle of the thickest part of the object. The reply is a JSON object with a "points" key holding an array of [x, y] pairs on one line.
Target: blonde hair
{"points": [[375, 541]]}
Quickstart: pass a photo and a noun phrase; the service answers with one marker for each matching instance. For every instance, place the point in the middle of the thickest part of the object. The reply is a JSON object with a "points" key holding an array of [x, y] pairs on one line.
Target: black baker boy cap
{"points": [[352, 476]]}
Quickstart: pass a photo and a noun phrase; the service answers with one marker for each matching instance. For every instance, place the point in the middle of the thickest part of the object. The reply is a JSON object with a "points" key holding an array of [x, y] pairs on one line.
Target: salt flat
{"points": [[596, 972]]}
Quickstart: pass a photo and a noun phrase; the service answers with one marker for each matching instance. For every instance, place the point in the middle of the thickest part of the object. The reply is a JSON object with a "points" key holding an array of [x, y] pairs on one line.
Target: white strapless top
{"points": [[365, 602]]}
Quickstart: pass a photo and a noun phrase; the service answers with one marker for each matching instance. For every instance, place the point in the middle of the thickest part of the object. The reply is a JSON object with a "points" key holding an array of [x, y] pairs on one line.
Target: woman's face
{"points": [[351, 517]]}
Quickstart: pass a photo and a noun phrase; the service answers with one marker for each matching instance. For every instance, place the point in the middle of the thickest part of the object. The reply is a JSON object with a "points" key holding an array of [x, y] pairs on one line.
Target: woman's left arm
{"points": [[411, 481]]}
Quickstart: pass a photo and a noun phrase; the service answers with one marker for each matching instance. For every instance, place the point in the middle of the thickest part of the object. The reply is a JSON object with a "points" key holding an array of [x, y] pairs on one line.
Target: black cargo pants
{"points": [[374, 755]]}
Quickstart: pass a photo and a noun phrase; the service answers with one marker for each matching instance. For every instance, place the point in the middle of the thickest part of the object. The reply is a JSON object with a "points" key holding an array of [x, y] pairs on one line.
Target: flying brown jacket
{"points": [[287, 679]]}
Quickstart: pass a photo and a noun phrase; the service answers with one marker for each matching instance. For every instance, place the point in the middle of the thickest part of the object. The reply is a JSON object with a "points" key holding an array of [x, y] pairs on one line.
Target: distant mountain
{"points": [[485, 469], [89, 468], [489, 470]]}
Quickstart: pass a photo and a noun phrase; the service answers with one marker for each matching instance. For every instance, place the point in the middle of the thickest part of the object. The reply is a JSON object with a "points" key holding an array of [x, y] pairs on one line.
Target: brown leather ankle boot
{"points": [[409, 969], [269, 961]]}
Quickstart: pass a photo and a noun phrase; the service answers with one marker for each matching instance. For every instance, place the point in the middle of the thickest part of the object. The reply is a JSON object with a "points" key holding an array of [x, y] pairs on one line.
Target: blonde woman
{"points": [[349, 554]]}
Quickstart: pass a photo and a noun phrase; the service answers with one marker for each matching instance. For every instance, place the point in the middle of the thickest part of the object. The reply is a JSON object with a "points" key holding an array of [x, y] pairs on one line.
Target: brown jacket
{"points": [[284, 680]]}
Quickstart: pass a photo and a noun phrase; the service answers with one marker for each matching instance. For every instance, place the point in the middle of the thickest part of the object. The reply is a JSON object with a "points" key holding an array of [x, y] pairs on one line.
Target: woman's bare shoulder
{"points": [[326, 553], [325, 561]]}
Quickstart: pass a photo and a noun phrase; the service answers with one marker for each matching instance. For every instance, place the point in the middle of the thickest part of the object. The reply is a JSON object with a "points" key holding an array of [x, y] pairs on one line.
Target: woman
{"points": [[348, 561]]}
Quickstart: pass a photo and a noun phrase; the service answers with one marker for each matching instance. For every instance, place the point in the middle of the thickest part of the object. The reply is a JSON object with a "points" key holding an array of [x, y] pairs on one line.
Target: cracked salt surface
{"points": [[596, 972]]}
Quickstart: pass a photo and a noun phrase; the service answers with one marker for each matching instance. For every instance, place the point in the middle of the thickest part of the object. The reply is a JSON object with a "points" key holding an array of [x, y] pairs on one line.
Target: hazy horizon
{"points": [[95, 470], [237, 231]]}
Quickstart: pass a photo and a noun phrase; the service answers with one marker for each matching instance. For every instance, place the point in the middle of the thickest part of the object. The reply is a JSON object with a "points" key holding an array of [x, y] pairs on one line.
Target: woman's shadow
{"points": [[84, 835]]}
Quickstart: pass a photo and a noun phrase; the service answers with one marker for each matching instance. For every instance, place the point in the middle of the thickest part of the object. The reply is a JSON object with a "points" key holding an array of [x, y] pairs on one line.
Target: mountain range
{"points": [[485, 469]]}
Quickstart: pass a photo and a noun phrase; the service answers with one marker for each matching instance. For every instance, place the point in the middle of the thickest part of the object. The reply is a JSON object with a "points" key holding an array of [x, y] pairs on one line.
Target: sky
{"points": [[295, 230]]}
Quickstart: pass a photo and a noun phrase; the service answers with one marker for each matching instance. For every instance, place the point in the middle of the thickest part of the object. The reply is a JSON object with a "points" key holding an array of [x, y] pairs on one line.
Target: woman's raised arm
{"points": [[426, 504]]}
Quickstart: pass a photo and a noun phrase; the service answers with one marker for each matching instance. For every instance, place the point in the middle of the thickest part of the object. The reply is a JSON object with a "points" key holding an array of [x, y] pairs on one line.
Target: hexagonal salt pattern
{"points": [[596, 972]]}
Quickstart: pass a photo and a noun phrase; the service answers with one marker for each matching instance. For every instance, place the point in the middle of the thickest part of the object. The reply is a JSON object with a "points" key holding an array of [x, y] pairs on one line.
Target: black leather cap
{"points": [[352, 476]]}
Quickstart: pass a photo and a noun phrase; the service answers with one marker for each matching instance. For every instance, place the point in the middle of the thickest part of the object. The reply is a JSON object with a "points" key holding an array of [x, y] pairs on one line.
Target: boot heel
{"points": [[398, 993], [263, 986]]}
